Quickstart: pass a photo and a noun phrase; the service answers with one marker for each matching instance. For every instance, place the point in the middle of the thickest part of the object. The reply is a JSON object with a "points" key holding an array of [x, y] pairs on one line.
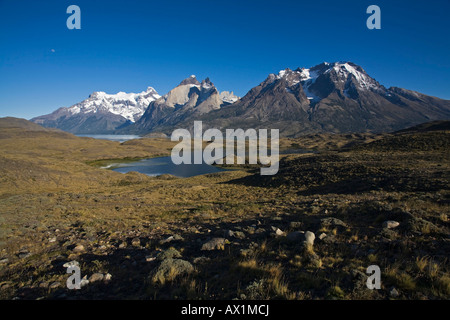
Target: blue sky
{"points": [[130, 45]]}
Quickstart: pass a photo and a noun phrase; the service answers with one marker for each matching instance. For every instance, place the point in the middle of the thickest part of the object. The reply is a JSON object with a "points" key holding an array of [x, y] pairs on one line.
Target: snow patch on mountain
{"points": [[228, 97], [343, 70], [131, 106]]}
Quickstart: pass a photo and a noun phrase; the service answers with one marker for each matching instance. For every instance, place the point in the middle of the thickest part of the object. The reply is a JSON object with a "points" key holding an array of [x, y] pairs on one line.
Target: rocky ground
{"points": [[310, 232]]}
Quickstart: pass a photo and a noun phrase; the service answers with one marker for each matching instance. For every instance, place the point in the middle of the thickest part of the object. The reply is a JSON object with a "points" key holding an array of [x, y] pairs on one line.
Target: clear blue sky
{"points": [[130, 45]]}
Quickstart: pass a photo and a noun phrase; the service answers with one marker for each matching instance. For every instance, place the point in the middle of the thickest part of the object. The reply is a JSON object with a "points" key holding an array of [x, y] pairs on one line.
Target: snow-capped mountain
{"points": [[345, 75], [131, 106], [101, 112], [330, 97]]}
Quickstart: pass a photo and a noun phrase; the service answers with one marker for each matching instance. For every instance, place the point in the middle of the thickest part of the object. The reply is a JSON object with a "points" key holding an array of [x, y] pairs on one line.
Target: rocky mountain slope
{"points": [[188, 101], [330, 97]]}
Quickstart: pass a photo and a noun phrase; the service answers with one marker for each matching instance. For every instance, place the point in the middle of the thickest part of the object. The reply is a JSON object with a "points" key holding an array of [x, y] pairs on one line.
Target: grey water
{"points": [[112, 137], [164, 165]]}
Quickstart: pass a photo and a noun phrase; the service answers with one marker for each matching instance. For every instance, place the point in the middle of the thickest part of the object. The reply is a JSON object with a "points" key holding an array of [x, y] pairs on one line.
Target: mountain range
{"points": [[330, 97]]}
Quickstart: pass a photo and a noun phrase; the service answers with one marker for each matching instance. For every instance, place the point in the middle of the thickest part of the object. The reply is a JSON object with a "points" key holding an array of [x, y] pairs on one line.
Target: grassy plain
{"points": [[227, 235]]}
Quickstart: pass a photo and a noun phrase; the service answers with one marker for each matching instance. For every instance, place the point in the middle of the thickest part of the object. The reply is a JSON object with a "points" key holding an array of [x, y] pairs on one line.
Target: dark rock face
{"points": [[337, 98]]}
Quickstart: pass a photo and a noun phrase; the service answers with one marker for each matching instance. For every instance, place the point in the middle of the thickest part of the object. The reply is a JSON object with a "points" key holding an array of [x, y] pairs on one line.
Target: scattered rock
{"points": [[96, 277], [54, 285], [51, 240], [322, 236], [309, 238], [171, 238], [84, 282], [360, 280], [107, 277], [394, 293], [240, 234], [79, 248], [214, 244], [169, 269], [390, 224], [24, 254], [136, 242], [295, 236], [295, 224], [333, 222], [72, 263], [5, 260], [123, 245], [278, 232]]}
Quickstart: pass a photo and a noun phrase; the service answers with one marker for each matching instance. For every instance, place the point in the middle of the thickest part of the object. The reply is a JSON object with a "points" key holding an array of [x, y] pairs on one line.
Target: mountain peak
{"points": [[207, 84], [191, 80]]}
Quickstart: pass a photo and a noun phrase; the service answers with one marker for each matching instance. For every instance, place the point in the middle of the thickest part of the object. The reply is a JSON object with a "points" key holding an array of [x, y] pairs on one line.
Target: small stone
{"points": [[79, 248], [322, 236], [150, 258], [123, 245], [6, 260], [72, 263], [84, 282], [43, 285], [239, 235], [96, 277], [23, 255], [54, 285], [394, 293], [136, 242], [295, 224], [214, 244], [309, 238], [171, 238], [333, 222], [51, 240], [108, 277], [390, 224]]}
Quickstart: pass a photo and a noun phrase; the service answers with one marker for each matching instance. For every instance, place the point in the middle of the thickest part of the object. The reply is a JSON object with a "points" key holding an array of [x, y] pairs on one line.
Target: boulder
{"points": [[214, 244], [390, 224]]}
